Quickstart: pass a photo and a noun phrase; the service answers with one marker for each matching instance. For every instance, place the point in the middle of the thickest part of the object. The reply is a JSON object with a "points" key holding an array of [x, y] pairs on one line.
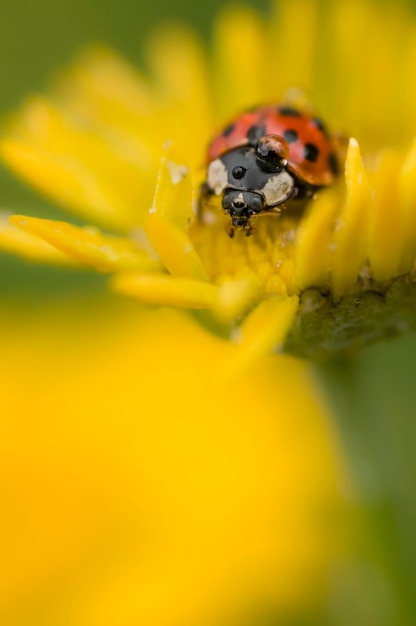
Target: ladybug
{"points": [[265, 158]]}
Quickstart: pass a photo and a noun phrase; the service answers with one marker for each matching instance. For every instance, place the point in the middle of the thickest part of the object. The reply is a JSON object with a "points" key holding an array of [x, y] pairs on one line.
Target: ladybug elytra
{"points": [[265, 158]]}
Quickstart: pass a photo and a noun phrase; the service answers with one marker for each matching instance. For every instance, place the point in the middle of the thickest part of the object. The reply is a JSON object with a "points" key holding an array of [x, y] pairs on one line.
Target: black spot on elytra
{"points": [[228, 130], [290, 135], [310, 152], [333, 164], [255, 132], [290, 111], [318, 123]]}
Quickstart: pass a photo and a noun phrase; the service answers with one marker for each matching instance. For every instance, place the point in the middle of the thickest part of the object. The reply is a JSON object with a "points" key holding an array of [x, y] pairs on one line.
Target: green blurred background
{"points": [[375, 395]]}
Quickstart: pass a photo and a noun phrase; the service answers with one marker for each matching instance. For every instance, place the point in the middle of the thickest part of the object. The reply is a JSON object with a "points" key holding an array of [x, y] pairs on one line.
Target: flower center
{"points": [[268, 252]]}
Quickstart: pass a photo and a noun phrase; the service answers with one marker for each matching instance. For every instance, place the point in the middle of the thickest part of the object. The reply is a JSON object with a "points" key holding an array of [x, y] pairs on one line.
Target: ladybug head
{"points": [[252, 179]]}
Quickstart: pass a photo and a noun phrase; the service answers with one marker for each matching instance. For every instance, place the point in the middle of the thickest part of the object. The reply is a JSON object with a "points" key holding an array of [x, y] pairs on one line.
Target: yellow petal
{"points": [[168, 219], [16, 241], [174, 249], [173, 194], [387, 221], [166, 290], [349, 22], [66, 181], [180, 67], [234, 297], [88, 245], [300, 17], [264, 330], [266, 327], [313, 243], [388, 52], [351, 236], [241, 45], [407, 196], [105, 90], [119, 170]]}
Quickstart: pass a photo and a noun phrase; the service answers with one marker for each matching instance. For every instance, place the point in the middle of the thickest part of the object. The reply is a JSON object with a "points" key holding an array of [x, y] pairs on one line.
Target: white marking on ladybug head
{"points": [[217, 176], [278, 188]]}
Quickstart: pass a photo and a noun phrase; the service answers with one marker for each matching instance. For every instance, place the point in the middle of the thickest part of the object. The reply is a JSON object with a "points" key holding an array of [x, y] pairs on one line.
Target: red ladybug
{"points": [[266, 157]]}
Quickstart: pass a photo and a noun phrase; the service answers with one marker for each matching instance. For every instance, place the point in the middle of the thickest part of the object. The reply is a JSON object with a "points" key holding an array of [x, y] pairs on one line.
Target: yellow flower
{"points": [[338, 277], [164, 489]]}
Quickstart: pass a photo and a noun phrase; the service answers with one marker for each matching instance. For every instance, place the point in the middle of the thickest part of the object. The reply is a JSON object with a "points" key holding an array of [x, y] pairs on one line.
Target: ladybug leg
{"points": [[308, 193], [251, 230], [303, 192], [230, 230]]}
